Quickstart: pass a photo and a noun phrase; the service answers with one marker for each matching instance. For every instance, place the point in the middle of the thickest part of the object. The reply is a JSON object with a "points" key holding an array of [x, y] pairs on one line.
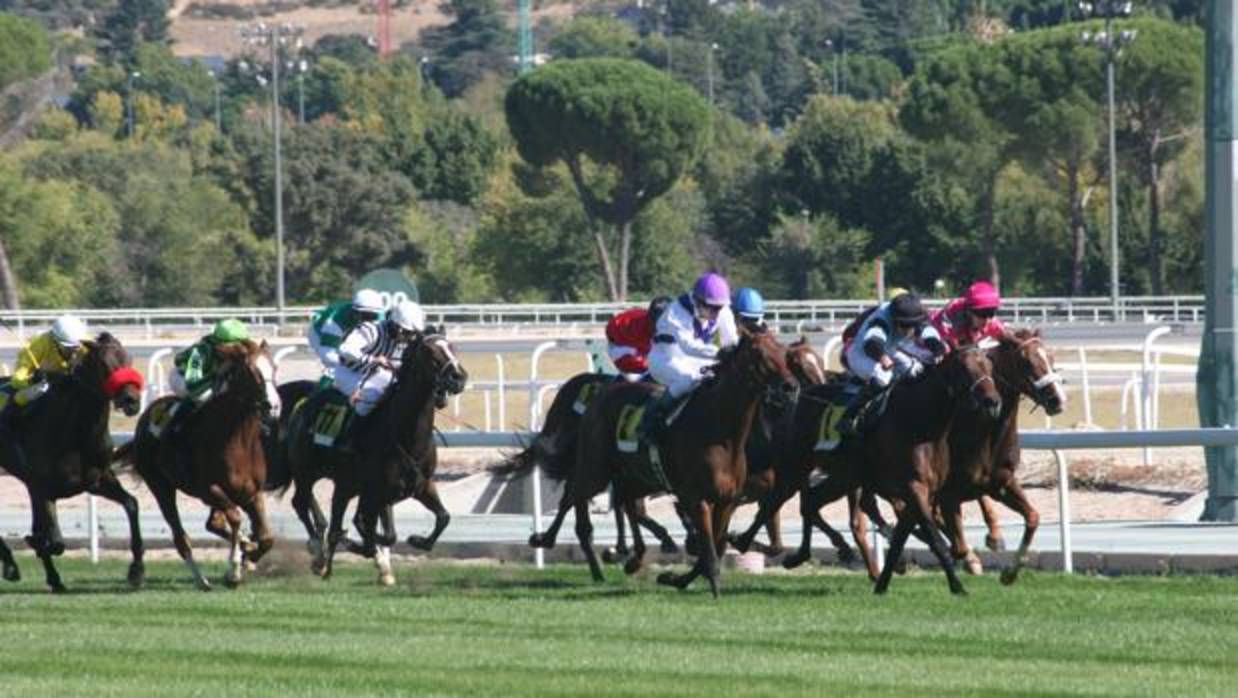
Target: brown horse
{"points": [[984, 451], [228, 467], [394, 457], [65, 449], [701, 459]]}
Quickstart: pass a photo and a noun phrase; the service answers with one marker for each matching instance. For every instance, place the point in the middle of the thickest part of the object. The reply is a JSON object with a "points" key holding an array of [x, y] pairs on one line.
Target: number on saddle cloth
{"points": [[163, 413], [828, 435], [328, 412], [585, 397]]}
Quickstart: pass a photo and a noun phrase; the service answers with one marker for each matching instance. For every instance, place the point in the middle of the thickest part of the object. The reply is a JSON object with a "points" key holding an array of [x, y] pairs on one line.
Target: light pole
{"points": [[129, 103], [302, 66], [710, 71], [218, 121], [830, 45], [275, 36], [1111, 44], [668, 32]]}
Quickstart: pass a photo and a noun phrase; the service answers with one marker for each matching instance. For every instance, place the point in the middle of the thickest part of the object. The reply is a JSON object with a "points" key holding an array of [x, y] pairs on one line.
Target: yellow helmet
{"points": [[896, 291]]}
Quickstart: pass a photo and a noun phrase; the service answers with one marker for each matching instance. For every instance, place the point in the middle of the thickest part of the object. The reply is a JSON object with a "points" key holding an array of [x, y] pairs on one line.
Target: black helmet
{"points": [[907, 310]]}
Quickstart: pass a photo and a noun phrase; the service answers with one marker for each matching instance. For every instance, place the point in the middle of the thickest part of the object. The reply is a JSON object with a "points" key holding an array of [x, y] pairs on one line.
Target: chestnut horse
{"points": [[394, 457], [228, 467], [984, 451], [65, 449], [700, 459]]}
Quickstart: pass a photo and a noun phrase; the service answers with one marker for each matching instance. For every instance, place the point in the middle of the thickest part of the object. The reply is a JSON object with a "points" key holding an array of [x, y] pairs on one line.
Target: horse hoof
{"points": [[1009, 577], [633, 565], [611, 555], [420, 543], [669, 547], [958, 590], [57, 588], [56, 549], [12, 573], [386, 580], [249, 566], [738, 542], [971, 562], [537, 540], [996, 544], [231, 583], [667, 579], [846, 556], [793, 561], [137, 575]]}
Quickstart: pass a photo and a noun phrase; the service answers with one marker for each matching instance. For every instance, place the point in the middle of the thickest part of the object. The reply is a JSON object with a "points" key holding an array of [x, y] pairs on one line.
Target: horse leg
{"points": [[868, 503], [366, 520], [902, 529], [637, 559], [859, 532], [1012, 495], [952, 520], [611, 555], [647, 522], [428, 496], [109, 488], [921, 505], [310, 515], [707, 560], [773, 528], [546, 539], [335, 533], [256, 509], [584, 534], [42, 511], [236, 555], [165, 497], [845, 553], [11, 572], [767, 509], [993, 540]]}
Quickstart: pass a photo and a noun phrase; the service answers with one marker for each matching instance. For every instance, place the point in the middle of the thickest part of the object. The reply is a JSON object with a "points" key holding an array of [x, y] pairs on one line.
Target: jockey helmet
{"points": [[368, 301], [907, 310], [982, 296], [895, 292], [712, 290], [749, 303], [230, 330], [68, 331], [408, 315]]}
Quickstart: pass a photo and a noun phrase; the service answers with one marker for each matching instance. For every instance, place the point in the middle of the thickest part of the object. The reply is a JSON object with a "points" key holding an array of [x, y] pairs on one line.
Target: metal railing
{"points": [[1055, 441], [1187, 308]]}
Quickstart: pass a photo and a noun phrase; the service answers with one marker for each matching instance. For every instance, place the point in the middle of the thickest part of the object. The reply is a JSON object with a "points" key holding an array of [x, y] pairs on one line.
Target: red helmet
{"points": [[982, 296]]}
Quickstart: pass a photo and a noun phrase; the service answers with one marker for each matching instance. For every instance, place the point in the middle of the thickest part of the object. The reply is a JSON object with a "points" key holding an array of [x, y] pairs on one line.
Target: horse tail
{"points": [[551, 452]]}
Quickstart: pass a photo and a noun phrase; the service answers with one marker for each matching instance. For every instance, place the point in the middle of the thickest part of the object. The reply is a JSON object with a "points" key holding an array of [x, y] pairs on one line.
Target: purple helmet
{"points": [[712, 289]]}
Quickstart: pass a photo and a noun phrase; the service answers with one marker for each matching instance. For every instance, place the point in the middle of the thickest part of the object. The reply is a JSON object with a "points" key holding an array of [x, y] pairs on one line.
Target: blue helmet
{"points": [[749, 304]]}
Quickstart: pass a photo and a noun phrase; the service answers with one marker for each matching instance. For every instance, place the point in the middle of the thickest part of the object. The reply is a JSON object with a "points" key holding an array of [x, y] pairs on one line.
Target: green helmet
{"points": [[230, 330]]}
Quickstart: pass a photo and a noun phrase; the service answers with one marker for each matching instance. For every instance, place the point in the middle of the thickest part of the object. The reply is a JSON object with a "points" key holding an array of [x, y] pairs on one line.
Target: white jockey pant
{"points": [[866, 369], [676, 370], [363, 388]]}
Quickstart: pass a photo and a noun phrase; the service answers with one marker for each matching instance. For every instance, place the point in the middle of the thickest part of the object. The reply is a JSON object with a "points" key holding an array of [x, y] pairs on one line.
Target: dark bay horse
{"points": [[394, 457], [984, 450], [66, 450], [701, 458], [228, 467]]}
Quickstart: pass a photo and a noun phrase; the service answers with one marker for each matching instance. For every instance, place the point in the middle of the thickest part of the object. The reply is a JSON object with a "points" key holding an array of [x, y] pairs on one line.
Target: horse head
{"points": [[1023, 362], [247, 369], [805, 364], [432, 360], [763, 361], [107, 367], [969, 371]]}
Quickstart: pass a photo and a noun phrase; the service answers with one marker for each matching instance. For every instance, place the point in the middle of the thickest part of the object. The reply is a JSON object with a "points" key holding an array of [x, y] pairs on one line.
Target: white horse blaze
{"points": [[267, 369], [446, 347]]}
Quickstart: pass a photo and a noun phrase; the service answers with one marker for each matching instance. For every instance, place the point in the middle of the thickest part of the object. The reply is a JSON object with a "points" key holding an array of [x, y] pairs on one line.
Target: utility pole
{"points": [[710, 71], [525, 35], [129, 103], [218, 120], [1217, 378]]}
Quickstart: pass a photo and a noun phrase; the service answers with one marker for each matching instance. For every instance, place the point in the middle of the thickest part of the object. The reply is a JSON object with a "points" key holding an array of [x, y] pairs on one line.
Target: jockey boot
{"points": [[852, 421], [653, 421]]}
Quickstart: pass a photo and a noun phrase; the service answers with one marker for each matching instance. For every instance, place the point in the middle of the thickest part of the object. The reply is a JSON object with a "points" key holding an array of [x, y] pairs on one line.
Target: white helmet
{"points": [[368, 301], [68, 331], [408, 315]]}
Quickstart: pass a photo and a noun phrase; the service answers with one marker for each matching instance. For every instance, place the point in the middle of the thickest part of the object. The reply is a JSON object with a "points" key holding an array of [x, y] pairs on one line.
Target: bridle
{"points": [[1034, 389]]}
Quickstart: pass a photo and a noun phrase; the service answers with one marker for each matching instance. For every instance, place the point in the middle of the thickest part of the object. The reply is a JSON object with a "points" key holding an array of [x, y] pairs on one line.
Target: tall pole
{"points": [[301, 97], [219, 124], [710, 71], [279, 176], [1114, 262], [1217, 379], [129, 104]]}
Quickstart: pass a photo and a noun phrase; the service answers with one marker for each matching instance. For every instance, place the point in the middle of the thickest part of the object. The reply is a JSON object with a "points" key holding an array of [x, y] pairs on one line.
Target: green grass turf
{"points": [[452, 629]]}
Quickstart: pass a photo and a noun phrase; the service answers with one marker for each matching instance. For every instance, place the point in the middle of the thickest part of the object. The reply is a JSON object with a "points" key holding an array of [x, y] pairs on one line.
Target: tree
{"points": [[476, 41], [25, 50], [594, 37], [814, 257], [1159, 100], [625, 131], [456, 159], [132, 23]]}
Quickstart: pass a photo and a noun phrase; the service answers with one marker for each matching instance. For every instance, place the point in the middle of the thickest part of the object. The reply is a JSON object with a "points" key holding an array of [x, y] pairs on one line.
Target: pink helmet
{"points": [[712, 289], [982, 296]]}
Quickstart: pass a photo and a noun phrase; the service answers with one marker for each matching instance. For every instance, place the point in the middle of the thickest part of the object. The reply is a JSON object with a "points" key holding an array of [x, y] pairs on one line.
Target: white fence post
{"points": [[92, 521], [1063, 511], [1087, 388], [1146, 380]]}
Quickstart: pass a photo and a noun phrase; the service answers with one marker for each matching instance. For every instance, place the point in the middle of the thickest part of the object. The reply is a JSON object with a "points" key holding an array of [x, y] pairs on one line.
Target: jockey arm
{"points": [[41, 355], [194, 372], [357, 347], [676, 327]]}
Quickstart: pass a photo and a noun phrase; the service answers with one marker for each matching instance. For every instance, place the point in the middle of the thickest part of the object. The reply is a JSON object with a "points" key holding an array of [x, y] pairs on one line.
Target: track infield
{"points": [[454, 629]]}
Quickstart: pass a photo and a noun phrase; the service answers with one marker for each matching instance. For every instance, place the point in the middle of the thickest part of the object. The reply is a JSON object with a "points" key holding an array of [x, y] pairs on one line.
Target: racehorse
{"points": [[984, 450], [701, 458], [65, 449], [394, 457], [228, 460]]}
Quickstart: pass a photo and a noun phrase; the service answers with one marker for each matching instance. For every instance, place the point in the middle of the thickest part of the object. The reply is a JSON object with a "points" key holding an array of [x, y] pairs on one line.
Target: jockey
{"points": [[749, 308], [895, 340], [686, 341], [193, 373], [370, 355], [629, 338], [51, 353], [972, 318], [329, 326]]}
